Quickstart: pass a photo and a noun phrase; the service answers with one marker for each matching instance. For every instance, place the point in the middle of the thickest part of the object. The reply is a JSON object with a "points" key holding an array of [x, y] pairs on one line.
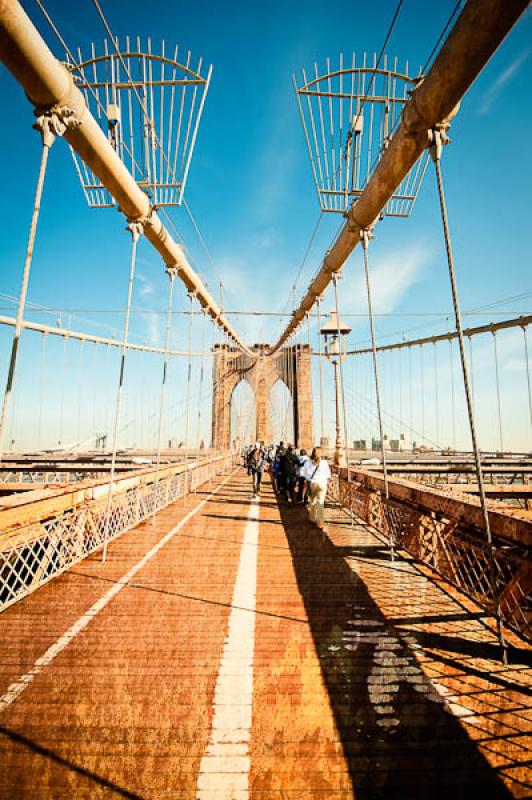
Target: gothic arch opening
{"points": [[281, 413], [243, 414]]}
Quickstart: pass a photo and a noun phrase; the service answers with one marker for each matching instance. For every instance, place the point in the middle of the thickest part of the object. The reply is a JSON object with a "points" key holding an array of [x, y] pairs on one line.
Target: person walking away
{"points": [[258, 465], [281, 456], [317, 474], [291, 465], [302, 486]]}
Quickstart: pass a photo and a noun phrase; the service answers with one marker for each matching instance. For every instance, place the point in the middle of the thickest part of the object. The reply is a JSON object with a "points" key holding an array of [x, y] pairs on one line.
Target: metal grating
{"points": [[349, 114], [149, 104]]}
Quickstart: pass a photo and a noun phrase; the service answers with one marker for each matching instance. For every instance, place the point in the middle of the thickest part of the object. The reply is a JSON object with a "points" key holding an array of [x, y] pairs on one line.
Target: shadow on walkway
{"points": [[399, 738]]}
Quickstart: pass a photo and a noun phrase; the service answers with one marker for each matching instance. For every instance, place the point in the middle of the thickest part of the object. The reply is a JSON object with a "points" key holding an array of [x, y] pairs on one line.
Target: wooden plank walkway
{"points": [[227, 650]]}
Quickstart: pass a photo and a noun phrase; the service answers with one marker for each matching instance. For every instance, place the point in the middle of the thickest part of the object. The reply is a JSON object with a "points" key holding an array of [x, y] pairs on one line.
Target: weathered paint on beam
{"points": [[49, 85], [479, 30], [512, 525]]}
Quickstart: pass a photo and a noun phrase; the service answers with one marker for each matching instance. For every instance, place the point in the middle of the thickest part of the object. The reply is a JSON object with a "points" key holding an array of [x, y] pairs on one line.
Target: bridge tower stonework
{"points": [[293, 367]]}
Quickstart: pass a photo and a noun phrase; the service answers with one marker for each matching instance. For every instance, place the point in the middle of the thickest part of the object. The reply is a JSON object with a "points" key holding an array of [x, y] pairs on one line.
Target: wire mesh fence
{"points": [[32, 555], [451, 547]]}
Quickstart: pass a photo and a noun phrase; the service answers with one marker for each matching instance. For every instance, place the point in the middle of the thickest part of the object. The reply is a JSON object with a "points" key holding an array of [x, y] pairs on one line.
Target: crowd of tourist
{"points": [[296, 476]]}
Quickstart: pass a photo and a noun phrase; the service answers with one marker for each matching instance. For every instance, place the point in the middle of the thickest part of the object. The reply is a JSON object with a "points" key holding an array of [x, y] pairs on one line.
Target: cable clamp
{"points": [[54, 121], [437, 137], [136, 228], [366, 234], [172, 270]]}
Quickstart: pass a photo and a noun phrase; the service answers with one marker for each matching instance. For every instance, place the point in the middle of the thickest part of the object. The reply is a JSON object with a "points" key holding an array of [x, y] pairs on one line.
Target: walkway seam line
{"points": [[15, 689], [224, 768]]}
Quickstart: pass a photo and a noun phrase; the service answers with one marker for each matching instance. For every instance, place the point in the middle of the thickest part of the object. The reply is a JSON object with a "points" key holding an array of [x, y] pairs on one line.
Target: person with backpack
{"points": [[317, 473]]}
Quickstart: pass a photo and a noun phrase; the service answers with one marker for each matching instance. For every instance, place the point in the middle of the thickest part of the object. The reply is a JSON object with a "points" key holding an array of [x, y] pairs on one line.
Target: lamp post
{"points": [[334, 332]]}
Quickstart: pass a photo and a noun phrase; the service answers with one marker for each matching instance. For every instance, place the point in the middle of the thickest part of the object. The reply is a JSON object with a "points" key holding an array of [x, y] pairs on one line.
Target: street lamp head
{"points": [[334, 332]]}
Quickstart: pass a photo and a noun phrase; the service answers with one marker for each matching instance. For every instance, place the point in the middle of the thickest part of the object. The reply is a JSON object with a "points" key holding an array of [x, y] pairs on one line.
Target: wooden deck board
{"points": [[370, 679]]}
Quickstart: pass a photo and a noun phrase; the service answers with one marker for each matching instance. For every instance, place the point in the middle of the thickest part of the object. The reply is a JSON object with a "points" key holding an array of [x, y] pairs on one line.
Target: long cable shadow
{"points": [[69, 765], [399, 739]]}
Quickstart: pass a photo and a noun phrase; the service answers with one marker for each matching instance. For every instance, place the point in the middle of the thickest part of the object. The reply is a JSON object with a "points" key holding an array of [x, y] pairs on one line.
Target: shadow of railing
{"points": [[399, 738]]}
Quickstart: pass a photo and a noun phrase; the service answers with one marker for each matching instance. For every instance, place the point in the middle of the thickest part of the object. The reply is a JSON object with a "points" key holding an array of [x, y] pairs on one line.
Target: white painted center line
{"points": [[15, 690], [224, 769]]}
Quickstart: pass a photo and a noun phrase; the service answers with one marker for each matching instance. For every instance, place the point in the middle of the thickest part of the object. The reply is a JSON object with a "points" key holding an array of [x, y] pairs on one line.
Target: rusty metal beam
{"points": [[512, 525], [479, 30], [49, 85]]}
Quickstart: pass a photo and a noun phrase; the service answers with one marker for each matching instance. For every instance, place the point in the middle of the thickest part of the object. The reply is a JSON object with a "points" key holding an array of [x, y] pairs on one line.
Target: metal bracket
{"points": [[172, 271], [366, 234], [55, 121], [437, 139], [136, 228]]}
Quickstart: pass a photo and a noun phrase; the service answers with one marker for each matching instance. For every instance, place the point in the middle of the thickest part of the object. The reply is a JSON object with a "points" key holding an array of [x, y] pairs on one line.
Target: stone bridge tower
{"points": [[231, 366]]}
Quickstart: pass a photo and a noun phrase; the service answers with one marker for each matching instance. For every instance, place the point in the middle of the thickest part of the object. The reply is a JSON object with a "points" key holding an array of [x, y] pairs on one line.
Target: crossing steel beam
{"points": [[49, 86], [479, 30]]}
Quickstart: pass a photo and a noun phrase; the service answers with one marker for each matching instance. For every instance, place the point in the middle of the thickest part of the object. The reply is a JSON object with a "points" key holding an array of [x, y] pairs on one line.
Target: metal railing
{"points": [[449, 545], [33, 554]]}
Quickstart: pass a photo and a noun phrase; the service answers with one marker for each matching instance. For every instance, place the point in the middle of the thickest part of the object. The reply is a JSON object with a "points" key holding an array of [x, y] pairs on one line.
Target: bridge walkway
{"points": [[226, 650]]}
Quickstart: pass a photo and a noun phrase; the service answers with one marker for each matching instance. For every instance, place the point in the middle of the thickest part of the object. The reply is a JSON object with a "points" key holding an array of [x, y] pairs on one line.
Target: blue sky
{"points": [[251, 189]]}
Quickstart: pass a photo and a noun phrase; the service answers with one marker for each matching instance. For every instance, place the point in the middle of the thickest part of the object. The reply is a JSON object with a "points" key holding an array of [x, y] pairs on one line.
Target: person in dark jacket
{"points": [[257, 462], [291, 465]]}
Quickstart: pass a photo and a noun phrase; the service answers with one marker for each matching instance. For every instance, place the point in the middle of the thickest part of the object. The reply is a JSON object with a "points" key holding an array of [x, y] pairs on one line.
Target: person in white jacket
{"points": [[317, 473]]}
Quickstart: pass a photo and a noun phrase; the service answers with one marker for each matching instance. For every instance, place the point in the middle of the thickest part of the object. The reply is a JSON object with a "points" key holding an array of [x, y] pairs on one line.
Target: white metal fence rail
{"points": [[32, 555]]}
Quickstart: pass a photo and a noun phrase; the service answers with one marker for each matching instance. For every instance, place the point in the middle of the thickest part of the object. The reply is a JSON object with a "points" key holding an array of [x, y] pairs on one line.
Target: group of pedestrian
{"points": [[297, 477]]}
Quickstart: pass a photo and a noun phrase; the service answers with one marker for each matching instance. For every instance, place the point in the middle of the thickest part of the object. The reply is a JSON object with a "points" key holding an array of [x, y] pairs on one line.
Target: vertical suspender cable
{"points": [[310, 365], [472, 371], [498, 388], [80, 391], [94, 385], [189, 378], [436, 401], [365, 235], [453, 404], [48, 137], [422, 395], [62, 400], [525, 329], [342, 386], [435, 151], [410, 398], [162, 399], [136, 229], [200, 391], [318, 306], [41, 388]]}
